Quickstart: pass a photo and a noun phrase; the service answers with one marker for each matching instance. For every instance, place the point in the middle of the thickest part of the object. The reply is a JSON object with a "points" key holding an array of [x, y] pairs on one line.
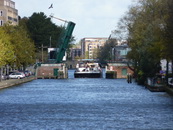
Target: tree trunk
{"points": [[167, 69], [172, 68], [0, 74]]}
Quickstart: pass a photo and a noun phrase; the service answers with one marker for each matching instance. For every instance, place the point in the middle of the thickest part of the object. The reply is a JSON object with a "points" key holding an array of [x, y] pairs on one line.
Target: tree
{"points": [[145, 39], [142, 23], [42, 30], [104, 54], [23, 47], [7, 49], [167, 32], [86, 55]]}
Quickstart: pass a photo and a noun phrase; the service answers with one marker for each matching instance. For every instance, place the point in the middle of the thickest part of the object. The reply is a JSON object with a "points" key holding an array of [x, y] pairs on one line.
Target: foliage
{"points": [[104, 54], [167, 29], [148, 25], [18, 43], [42, 30], [7, 49], [23, 47], [86, 54]]}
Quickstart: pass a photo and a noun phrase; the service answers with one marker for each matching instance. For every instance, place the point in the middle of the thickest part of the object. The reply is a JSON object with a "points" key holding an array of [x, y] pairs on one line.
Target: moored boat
{"points": [[88, 69]]}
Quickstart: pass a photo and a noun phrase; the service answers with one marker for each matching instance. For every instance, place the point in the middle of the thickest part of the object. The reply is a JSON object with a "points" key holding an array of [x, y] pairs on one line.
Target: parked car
{"points": [[4, 77], [27, 73], [17, 75]]}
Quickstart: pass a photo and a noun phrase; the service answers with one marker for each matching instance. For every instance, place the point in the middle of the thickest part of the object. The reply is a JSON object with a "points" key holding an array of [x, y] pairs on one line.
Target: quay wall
{"points": [[13, 82], [169, 90]]}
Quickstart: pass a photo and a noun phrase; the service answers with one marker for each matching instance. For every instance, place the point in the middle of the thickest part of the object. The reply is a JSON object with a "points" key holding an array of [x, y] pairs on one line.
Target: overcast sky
{"points": [[93, 18]]}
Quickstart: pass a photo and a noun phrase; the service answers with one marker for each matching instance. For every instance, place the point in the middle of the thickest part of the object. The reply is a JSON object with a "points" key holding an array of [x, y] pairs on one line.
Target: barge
{"points": [[88, 69]]}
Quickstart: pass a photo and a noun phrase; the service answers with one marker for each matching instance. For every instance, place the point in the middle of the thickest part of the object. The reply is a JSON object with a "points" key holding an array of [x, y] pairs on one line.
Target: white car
{"points": [[17, 75]]}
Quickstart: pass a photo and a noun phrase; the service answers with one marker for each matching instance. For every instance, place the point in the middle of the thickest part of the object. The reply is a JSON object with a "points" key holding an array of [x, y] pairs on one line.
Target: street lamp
{"points": [[42, 47], [50, 41]]}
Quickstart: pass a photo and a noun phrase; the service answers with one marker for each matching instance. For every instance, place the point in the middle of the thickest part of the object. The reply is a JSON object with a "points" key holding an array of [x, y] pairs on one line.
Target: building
{"points": [[119, 52], [8, 13], [121, 69], [163, 63], [119, 63], [75, 53], [89, 46]]}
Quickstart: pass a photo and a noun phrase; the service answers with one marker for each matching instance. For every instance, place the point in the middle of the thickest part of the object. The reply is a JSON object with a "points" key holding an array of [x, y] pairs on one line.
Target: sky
{"points": [[93, 18]]}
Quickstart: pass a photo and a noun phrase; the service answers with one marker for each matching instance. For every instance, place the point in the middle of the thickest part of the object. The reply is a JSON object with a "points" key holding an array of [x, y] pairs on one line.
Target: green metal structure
{"points": [[65, 41]]}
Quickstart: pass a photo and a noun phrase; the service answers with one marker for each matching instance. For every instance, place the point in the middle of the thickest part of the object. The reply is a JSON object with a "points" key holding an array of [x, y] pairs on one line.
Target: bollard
{"points": [[129, 78]]}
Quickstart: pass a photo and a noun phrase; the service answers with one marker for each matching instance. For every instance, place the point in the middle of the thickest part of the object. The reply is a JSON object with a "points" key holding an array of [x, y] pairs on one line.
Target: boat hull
{"points": [[87, 75]]}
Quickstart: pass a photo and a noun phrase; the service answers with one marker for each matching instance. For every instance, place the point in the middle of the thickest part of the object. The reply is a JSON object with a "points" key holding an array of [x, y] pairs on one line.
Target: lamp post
{"points": [[112, 54], [42, 55], [0, 74], [50, 41]]}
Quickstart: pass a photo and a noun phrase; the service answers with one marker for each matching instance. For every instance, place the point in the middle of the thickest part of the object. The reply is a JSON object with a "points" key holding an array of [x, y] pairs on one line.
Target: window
{"points": [[5, 3], [12, 5], [15, 19], [10, 18], [1, 23], [8, 3], [1, 13], [124, 71], [10, 11]]}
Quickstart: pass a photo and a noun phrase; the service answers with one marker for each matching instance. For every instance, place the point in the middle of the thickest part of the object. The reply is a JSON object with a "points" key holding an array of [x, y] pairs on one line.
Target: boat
{"points": [[155, 84], [88, 69]]}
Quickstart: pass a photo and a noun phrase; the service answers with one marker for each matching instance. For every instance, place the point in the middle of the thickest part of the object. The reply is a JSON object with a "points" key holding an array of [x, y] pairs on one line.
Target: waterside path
{"points": [[13, 82]]}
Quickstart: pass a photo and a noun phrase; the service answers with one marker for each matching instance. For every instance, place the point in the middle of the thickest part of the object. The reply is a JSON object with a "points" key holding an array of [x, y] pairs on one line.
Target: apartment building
{"points": [[8, 13], [75, 52], [89, 46]]}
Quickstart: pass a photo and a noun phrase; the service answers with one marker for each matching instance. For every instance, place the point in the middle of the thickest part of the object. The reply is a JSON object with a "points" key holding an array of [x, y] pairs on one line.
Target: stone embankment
{"points": [[169, 90], [13, 82]]}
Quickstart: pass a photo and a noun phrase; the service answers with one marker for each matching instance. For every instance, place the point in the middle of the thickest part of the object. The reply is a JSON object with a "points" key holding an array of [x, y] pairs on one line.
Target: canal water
{"points": [[84, 104]]}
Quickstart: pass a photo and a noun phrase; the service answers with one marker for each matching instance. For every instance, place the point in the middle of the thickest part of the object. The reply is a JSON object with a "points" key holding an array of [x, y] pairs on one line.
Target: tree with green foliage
{"points": [[145, 24], [104, 53], [167, 31], [86, 55], [42, 30]]}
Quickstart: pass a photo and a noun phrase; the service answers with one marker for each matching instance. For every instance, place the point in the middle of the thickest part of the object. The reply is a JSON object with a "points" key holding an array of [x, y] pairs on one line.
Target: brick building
{"points": [[121, 69]]}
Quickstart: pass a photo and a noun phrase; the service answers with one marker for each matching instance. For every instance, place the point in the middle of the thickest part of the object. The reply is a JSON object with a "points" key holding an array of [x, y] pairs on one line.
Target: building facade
{"points": [[121, 69], [90, 45], [8, 13], [119, 52], [75, 53]]}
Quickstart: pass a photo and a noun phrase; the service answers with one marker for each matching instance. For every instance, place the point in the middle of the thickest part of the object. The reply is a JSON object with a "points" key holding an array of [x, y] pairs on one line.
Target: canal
{"points": [[84, 104]]}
